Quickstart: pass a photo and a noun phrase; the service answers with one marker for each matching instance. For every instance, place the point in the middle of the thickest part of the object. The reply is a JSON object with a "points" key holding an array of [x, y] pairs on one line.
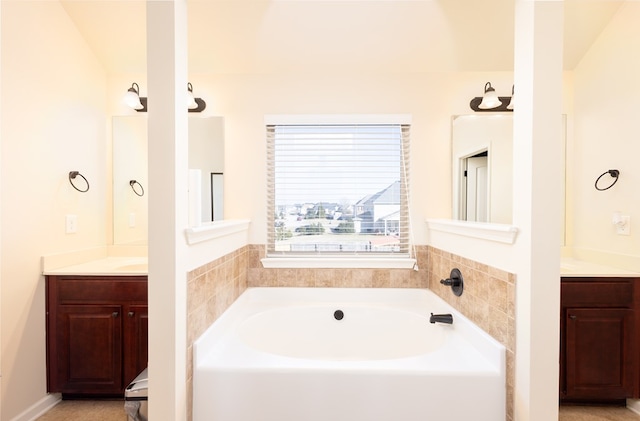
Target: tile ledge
{"points": [[215, 229], [501, 233]]}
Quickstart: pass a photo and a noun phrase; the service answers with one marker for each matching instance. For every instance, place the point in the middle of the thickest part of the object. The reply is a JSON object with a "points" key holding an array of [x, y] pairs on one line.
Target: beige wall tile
{"points": [[488, 300], [211, 288], [325, 278], [363, 278]]}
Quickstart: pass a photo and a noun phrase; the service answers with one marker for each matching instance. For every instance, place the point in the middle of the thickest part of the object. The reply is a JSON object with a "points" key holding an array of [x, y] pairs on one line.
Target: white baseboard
{"points": [[634, 405], [39, 408]]}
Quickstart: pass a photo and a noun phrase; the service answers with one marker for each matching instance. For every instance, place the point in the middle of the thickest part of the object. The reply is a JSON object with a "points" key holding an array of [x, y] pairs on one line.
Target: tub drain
{"points": [[338, 314]]}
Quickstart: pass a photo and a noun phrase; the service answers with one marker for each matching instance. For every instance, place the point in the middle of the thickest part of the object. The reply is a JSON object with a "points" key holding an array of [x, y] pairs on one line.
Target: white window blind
{"points": [[338, 190]]}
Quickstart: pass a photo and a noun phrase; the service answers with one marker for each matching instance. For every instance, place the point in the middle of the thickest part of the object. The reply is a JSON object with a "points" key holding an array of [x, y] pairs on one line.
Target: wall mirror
{"points": [[130, 174], [482, 162], [481, 147]]}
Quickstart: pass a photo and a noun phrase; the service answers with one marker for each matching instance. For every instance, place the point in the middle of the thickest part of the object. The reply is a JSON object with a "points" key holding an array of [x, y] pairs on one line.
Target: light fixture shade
{"points": [[490, 99], [512, 99], [191, 100], [132, 97]]}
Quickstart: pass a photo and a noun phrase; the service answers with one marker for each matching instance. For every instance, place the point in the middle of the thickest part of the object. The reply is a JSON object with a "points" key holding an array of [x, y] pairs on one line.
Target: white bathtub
{"points": [[280, 354]]}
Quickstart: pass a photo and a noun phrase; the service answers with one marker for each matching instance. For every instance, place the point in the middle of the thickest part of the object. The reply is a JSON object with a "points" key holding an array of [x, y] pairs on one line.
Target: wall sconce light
{"points": [[133, 99], [195, 105], [191, 100], [511, 100], [490, 101], [490, 98]]}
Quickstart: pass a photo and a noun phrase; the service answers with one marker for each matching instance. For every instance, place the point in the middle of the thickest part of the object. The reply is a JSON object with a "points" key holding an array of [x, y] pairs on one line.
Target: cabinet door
{"points": [[599, 346], [136, 339], [88, 345]]}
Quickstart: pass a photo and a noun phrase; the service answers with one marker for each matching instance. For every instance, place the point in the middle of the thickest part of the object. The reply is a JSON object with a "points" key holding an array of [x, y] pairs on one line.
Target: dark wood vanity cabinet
{"points": [[599, 349], [97, 333]]}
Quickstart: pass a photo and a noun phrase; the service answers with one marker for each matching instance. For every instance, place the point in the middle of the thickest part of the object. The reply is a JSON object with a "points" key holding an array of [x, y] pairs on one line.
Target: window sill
{"points": [[337, 263], [215, 229], [501, 233]]}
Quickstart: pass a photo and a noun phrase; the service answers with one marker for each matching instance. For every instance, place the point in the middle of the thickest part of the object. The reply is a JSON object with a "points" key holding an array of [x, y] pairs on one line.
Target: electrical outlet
{"points": [[623, 227], [72, 224]]}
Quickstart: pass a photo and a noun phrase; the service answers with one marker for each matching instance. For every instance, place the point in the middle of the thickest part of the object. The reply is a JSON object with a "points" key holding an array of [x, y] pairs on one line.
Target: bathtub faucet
{"points": [[454, 281], [441, 318]]}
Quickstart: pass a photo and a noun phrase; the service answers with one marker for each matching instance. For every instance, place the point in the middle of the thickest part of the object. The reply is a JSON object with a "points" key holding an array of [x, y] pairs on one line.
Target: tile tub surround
{"points": [[488, 300], [211, 289], [258, 276]]}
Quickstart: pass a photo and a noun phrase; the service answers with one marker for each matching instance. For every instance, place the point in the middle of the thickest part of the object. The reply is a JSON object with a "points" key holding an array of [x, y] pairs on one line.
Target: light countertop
{"points": [[121, 266], [576, 268], [108, 266]]}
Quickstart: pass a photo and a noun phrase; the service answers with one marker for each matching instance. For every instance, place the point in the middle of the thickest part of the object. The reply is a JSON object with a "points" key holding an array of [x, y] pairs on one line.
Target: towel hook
{"points": [[73, 175], [612, 173], [140, 190]]}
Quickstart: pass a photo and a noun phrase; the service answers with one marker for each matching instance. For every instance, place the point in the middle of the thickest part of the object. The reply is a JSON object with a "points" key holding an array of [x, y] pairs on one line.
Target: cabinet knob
{"points": [[131, 314], [114, 314], [573, 316]]}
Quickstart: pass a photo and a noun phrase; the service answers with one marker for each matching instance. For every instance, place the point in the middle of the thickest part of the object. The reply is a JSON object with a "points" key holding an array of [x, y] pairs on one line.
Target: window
{"points": [[338, 190]]}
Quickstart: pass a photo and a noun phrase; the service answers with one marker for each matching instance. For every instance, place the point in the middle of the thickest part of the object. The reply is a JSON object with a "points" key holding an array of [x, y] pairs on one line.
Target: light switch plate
{"points": [[623, 227], [71, 224]]}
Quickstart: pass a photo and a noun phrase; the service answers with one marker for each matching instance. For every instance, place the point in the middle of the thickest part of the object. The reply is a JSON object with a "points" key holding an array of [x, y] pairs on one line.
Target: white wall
{"points": [[53, 122], [430, 98], [607, 136]]}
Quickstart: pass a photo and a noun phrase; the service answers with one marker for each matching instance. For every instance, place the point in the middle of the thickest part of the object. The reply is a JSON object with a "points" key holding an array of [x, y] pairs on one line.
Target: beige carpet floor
{"points": [[595, 413], [114, 411], [81, 410]]}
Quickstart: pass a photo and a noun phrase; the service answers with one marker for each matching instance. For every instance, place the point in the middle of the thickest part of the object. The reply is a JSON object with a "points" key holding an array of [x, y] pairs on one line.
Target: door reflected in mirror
{"points": [[474, 203], [206, 154]]}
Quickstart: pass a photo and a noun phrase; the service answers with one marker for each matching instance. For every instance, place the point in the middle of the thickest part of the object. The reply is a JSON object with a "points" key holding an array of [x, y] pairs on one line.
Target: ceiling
{"points": [[288, 36]]}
